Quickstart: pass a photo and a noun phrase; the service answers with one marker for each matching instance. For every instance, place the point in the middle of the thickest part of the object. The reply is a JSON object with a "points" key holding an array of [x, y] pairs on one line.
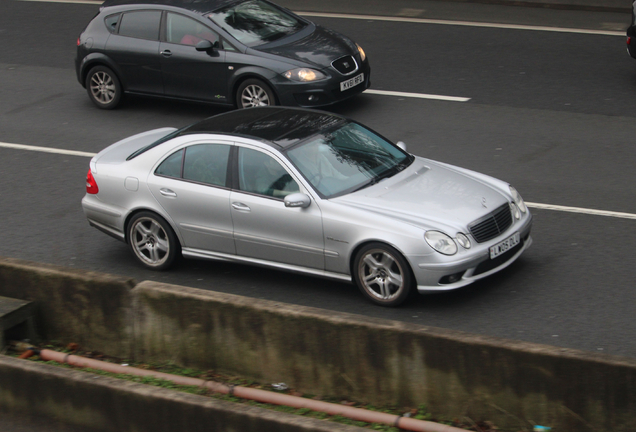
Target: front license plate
{"points": [[346, 85], [505, 245]]}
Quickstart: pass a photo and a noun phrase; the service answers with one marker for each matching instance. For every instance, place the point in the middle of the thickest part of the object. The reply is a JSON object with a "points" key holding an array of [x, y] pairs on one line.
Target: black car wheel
{"points": [[152, 241], [382, 274], [103, 87], [253, 93]]}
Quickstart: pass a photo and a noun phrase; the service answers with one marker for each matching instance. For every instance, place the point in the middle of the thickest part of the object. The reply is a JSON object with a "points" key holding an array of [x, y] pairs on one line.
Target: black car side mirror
{"points": [[205, 45]]}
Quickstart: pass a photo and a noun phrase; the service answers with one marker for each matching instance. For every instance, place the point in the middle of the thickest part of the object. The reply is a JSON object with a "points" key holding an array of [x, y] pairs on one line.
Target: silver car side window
{"points": [[261, 174], [206, 163], [171, 166]]}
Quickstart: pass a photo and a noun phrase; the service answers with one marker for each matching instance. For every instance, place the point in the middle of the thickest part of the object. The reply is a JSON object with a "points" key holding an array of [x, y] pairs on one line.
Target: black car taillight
{"points": [[91, 184]]}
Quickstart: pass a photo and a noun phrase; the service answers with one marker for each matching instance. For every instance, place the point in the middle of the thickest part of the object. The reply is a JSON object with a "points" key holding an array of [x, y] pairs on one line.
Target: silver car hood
{"points": [[429, 194]]}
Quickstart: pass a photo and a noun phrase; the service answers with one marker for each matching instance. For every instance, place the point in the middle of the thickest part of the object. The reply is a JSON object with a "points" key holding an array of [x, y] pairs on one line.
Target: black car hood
{"points": [[319, 48]]}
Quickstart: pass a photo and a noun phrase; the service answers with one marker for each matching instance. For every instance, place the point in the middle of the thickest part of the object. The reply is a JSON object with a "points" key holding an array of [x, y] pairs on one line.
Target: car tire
{"points": [[383, 274], [254, 92], [152, 241], [103, 87]]}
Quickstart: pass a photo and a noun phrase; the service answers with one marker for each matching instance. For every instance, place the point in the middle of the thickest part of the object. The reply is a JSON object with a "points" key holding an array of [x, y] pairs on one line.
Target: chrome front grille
{"points": [[345, 65], [491, 225]]}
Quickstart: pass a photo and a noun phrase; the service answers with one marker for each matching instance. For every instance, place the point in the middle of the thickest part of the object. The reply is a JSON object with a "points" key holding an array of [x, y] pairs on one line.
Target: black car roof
{"points": [[199, 6], [280, 126]]}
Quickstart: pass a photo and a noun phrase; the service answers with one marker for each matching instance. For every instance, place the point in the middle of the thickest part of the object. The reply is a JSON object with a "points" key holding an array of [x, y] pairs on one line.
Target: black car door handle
{"points": [[166, 53]]}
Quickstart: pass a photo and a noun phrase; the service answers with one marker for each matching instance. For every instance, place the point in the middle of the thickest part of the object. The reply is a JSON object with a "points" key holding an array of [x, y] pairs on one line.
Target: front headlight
{"points": [[518, 200], [304, 75], [441, 242], [463, 240], [363, 55]]}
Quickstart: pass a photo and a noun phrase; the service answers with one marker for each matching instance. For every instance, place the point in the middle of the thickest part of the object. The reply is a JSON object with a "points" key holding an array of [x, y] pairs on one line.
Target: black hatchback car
{"points": [[236, 52]]}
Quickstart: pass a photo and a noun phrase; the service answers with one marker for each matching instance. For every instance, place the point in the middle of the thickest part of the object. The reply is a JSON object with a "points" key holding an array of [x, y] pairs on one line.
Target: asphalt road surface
{"points": [[550, 112]]}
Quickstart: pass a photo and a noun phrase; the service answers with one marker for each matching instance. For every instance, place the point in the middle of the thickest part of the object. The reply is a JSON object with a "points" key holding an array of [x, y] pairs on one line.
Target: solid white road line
{"points": [[582, 210], [463, 23], [46, 149], [529, 204], [417, 95]]}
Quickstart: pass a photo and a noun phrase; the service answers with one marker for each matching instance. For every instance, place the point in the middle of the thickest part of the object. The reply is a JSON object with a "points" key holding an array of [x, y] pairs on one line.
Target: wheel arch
{"points": [[358, 247], [253, 73], [98, 59], [168, 220]]}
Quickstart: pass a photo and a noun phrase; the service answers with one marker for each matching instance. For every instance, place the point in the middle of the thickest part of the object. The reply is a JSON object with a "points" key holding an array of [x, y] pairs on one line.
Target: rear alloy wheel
{"points": [[152, 241], [382, 274], [254, 93], [103, 87]]}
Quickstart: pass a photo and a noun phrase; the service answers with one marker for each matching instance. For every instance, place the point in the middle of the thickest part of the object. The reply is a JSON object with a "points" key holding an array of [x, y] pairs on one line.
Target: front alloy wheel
{"points": [[254, 93], [382, 274], [152, 241]]}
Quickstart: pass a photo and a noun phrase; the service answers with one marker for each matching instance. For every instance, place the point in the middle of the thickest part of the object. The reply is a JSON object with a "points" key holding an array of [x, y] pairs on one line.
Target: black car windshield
{"points": [[347, 159], [255, 22]]}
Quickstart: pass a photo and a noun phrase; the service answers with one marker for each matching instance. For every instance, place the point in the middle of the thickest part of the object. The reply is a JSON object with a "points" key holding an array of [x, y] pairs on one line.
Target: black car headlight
{"points": [[304, 75], [363, 55], [441, 242]]}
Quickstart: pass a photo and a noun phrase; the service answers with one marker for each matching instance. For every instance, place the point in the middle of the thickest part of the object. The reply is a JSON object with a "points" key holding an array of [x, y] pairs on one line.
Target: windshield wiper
{"points": [[386, 174]]}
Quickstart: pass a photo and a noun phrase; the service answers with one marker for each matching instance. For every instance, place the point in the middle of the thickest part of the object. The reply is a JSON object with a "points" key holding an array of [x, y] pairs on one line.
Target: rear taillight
{"points": [[629, 40], [91, 184], [78, 41]]}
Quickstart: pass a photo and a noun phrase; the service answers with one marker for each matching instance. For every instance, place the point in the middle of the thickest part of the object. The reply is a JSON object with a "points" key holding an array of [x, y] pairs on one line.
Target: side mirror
{"points": [[401, 145], [297, 200], [204, 45]]}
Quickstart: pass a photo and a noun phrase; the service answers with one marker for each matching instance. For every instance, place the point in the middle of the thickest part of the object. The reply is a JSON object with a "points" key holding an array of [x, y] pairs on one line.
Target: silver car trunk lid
{"points": [[121, 150]]}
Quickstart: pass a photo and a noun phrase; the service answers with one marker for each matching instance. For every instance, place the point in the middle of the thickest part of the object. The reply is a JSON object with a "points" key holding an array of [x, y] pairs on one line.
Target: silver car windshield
{"points": [[347, 159], [254, 22]]}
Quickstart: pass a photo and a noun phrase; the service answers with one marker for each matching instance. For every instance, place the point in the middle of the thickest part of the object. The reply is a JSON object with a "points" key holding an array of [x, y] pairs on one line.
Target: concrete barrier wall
{"points": [[91, 309], [514, 384], [97, 403]]}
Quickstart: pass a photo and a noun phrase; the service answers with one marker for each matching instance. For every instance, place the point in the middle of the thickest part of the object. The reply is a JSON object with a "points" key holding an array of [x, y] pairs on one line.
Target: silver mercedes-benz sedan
{"points": [[305, 191]]}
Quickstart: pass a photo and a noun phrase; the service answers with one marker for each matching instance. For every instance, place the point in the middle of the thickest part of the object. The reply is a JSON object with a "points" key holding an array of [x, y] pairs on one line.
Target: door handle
{"points": [[166, 53], [167, 193], [240, 207]]}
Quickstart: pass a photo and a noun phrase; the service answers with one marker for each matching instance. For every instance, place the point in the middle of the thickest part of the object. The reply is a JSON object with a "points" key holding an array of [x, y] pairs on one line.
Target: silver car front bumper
{"points": [[455, 272]]}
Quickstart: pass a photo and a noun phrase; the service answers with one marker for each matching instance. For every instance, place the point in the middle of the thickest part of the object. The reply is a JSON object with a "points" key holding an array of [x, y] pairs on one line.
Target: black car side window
{"points": [[186, 31], [140, 24], [111, 22]]}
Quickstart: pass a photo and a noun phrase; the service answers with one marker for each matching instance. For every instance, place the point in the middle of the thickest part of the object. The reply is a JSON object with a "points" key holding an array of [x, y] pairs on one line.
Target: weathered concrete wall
{"points": [[97, 403], [514, 384], [88, 308]]}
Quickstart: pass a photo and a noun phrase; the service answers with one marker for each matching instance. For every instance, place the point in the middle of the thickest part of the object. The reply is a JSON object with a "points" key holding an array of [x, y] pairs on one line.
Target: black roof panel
{"points": [[281, 126]]}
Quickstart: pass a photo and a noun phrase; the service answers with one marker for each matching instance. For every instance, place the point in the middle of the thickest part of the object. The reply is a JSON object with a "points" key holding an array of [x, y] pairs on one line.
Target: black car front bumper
{"points": [[321, 93]]}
